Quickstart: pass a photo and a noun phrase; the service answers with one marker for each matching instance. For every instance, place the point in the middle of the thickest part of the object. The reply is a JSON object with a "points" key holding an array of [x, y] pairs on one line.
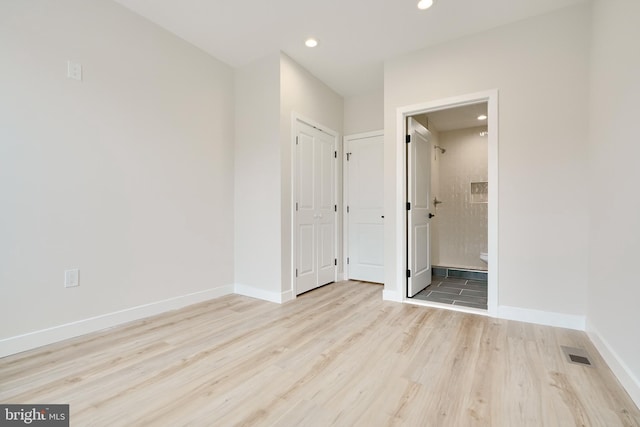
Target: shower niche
{"points": [[479, 192]]}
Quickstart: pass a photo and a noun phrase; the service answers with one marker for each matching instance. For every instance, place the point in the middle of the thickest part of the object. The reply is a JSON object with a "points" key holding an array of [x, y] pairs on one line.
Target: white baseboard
{"points": [[287, 296], [391, 296], [249, 291], [620, 369], [31, 340], [569, 321]]}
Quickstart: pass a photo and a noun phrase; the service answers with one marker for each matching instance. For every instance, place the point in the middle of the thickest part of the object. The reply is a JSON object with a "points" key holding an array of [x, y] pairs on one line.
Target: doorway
{"points": [[423, 221]]}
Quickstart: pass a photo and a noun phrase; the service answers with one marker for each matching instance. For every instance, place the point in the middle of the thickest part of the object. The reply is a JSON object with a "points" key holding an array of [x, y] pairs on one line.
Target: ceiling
{"points": [[355, 36], [457, 118]]}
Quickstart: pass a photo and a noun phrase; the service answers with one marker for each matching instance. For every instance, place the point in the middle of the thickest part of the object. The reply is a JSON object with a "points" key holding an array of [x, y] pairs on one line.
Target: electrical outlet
{"points": [[74, 70], [71, 278]]}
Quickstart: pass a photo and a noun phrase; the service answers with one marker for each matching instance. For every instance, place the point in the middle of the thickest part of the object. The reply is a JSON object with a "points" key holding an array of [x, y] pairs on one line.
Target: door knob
{"points": [[431, 215]]}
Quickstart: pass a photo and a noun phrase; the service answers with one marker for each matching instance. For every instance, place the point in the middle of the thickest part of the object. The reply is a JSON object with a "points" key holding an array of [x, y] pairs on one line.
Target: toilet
{"points": [[484, 257]]}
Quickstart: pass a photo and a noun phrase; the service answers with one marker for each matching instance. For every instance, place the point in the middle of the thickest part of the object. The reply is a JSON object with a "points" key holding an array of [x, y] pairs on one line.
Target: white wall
{"points": [[127, 175], [304, 94], [364, 112], [462, 225], [257, 176], [540, 68], [613, 315]]}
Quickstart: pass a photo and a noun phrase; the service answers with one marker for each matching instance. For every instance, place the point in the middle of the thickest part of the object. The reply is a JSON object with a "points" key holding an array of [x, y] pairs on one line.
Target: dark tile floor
{"points": [[452, 290]]}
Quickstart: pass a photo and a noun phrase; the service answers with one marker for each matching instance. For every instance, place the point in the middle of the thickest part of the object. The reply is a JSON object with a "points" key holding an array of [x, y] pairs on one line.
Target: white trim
{"points": [[560, 320], [391, 296], [261, 294], [491, 98], [31, 340], [295, 118], [287, 296], [345, 192], [451, 307], [620, 369], [363, 135]]}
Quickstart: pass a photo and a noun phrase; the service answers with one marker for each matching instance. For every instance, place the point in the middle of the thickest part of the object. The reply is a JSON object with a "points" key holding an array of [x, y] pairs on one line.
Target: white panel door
{"points": [[365, 207], [315, 208], [418, 214]]}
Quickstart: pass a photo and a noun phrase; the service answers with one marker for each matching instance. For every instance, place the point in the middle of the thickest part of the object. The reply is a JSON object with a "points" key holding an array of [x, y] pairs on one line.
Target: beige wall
{"points": [[364, 112], [540, 68], [257, 177], [614, 233], [127, 175]]}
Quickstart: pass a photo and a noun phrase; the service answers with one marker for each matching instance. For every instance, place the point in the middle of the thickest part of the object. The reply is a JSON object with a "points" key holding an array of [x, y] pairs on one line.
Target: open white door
{"points": [[365, 206], [418, 207], [315, 208]]}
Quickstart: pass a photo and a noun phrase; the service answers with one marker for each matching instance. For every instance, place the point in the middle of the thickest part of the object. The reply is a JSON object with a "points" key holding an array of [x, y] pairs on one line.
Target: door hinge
{"points": [[347, 260], [335, 154], [335, 261], [296, 206], [347, 209], [335, 208], [408, 206], [408, 139], [296, 140], [296, 272], [408, 273]]}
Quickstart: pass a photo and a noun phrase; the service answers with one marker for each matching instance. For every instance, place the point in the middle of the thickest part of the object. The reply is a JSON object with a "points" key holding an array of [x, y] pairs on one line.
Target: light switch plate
{"points": [[71, 278]]}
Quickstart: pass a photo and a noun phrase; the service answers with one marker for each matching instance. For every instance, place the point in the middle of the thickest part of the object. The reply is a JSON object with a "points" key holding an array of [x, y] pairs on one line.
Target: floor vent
{"points": [[576, 355]]}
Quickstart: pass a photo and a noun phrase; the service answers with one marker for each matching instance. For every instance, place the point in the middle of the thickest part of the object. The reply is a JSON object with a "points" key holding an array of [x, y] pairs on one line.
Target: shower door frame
{"points": [[491, 98]]}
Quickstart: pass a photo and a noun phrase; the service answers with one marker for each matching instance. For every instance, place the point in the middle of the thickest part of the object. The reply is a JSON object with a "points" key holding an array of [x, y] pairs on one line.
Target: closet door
{"points": [[315, 208]]}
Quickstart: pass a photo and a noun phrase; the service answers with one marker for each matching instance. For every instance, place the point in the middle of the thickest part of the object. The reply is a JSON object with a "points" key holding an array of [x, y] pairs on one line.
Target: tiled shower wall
{"points": [[435, 192], [459, 229]]}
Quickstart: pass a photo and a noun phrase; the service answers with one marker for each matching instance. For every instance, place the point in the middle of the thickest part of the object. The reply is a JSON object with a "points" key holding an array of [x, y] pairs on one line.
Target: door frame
{"points": [[345, 193], [295, 118], [491, 98]]}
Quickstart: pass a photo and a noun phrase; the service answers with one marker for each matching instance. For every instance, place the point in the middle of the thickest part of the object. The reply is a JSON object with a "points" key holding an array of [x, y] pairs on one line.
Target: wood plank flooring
{"points": [[336, 356]]}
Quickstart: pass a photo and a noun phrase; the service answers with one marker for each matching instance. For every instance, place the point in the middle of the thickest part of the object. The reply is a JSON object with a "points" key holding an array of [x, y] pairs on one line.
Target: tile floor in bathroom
{"points": [[456, 291]]}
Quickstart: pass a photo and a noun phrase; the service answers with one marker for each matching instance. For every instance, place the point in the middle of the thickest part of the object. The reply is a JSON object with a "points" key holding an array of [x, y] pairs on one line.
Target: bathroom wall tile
{"points": [[469, 275], [460, 227]]}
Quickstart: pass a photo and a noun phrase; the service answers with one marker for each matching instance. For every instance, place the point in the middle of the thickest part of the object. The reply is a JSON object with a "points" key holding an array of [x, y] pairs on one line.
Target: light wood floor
{"points": [[335, 356]]}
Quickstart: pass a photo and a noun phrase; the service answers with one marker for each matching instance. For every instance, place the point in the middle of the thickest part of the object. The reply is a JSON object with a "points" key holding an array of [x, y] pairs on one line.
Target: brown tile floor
{"points": [[455, 291]]}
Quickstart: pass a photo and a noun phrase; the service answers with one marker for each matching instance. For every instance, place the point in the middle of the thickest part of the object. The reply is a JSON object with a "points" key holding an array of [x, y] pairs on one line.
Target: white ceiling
{"points": [[457, 118], [355, 36]]}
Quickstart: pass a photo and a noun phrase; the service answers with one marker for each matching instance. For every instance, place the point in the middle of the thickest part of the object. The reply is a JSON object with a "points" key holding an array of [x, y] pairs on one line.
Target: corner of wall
{"points": [[620, 369], [277, 297]]}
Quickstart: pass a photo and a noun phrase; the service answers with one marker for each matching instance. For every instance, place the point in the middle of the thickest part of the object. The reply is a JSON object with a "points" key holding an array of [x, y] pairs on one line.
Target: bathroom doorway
{"points": [[461, 207]]}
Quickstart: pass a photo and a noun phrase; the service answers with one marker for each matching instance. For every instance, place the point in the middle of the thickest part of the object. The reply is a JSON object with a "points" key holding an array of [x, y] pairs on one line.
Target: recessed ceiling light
{"points": [[425, 4], [482, 117], [311, 42]]}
